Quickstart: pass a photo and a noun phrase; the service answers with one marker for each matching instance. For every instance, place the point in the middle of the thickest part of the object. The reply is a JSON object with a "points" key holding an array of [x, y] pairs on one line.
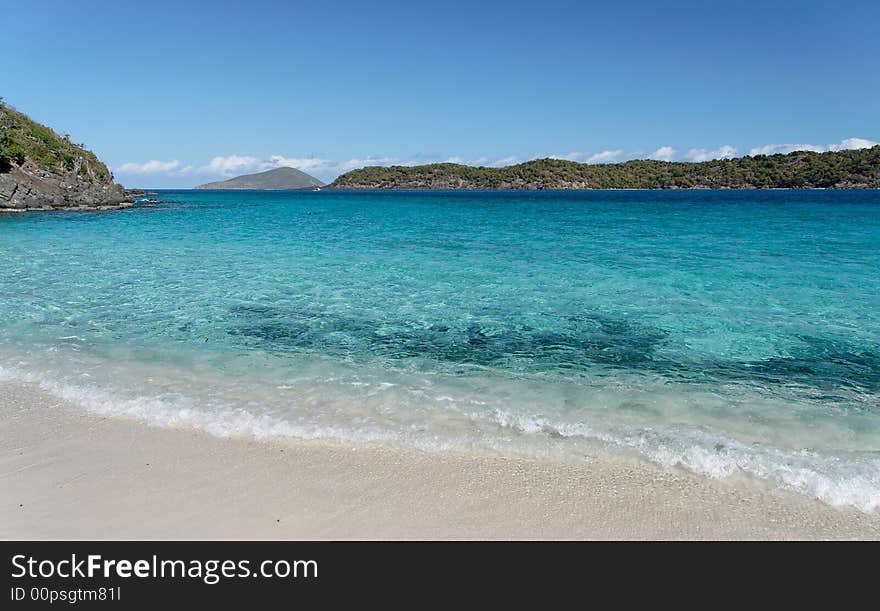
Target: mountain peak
{"points": [[280, 179]]}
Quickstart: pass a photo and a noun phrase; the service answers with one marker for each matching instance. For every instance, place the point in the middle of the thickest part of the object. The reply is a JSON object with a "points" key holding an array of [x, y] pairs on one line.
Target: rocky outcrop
{"points": [[27, 187], [41, 170]]}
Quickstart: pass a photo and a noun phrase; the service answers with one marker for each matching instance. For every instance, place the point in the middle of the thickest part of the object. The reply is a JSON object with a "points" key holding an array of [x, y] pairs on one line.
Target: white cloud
{"points": [[725, 152], [306, 164], [664, 153], [483, 161], [351, 164], [843, 145], [233, 164], [498, 163], [772, 149], [853, 144], [153, 166], [605, 157], [573, 156]]}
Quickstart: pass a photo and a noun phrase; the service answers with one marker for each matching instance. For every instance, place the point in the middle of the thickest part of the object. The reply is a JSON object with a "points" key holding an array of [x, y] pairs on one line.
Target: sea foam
{"points": [[838, 480]]}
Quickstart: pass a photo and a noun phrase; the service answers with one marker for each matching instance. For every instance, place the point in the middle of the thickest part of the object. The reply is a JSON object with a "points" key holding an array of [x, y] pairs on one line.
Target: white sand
{"points": [[68, 474]]}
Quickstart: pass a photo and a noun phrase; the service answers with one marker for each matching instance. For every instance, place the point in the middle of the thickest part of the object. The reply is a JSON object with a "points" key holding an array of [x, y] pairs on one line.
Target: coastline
{"points": [[69, 474], [96, 207]]}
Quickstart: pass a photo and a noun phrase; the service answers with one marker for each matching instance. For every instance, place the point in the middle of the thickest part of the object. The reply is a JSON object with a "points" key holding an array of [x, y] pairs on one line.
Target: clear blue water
{"points": [[726, 332]]}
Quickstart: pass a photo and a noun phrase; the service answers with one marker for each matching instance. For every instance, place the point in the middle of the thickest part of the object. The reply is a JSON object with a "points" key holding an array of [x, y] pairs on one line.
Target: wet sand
{"points": [[68, 474]]}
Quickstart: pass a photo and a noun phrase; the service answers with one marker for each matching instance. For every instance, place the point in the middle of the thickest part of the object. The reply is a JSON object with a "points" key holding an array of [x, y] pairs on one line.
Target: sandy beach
{"points": [[69, 474]]}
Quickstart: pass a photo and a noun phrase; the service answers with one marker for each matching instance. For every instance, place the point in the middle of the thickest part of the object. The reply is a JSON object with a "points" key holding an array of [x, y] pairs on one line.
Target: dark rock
{"points": [[27, 187]]}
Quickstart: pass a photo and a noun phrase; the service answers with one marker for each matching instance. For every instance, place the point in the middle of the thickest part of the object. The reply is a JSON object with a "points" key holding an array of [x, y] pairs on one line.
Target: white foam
{"points": [[851, 479], [176, 410], [839, 480]]}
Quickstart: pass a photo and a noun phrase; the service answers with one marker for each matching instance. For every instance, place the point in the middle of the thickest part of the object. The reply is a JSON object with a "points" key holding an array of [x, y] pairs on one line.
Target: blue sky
{"points": [[173, 94]]}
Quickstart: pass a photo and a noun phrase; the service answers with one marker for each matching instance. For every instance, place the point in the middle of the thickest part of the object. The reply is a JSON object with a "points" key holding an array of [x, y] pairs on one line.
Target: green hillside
{"points": [[22, 139], [798, 170]]}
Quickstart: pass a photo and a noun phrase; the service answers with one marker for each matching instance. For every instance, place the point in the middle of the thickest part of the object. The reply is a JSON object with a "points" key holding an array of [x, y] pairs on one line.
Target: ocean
{"points": [[724, 332]]}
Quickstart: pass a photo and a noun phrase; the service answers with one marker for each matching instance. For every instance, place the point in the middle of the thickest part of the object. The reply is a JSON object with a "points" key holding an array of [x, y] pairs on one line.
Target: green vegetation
{"points": [[24, 140], [798, 170]]}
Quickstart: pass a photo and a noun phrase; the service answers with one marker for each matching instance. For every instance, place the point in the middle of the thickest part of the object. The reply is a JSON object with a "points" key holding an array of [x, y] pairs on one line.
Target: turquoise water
{"points": [[723, 331]]}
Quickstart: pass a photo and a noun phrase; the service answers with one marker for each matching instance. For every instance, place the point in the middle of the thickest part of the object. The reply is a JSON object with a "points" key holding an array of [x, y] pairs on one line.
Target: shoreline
{"points": [[96, 207], [66, 473]]}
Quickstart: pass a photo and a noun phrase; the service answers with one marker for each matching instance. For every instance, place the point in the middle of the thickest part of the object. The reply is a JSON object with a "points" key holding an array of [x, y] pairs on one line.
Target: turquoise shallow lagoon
{"points": [[722, 331]]}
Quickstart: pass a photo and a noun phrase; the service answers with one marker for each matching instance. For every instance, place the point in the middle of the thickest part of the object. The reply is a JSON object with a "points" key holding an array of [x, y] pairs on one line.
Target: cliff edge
{"points": [[40, 170]]}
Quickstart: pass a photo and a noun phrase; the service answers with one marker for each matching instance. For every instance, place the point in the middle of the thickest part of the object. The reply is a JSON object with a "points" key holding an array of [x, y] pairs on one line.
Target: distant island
{"points": [[41, 170], [851, 169], [277, 179]]}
